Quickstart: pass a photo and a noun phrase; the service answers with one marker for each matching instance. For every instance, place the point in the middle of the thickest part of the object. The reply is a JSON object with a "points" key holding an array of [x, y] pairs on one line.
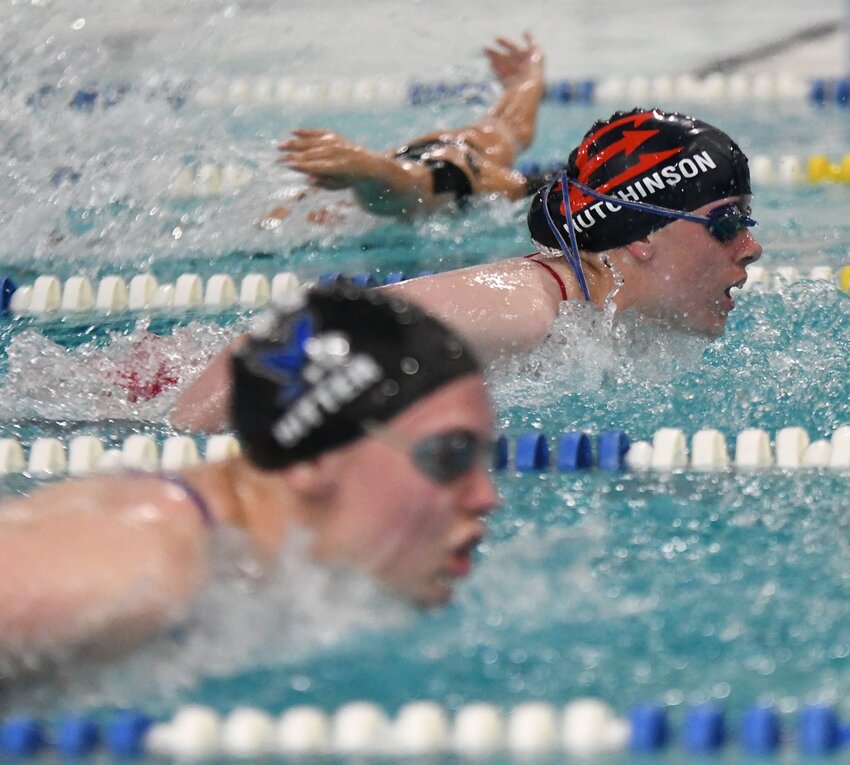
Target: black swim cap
{"points": [[669, 160], [340, 356]]}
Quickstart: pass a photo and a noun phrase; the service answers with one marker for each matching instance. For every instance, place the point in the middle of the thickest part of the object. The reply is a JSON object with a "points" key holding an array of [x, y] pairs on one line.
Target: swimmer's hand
{"points": [[331, 161], [381, 184], [514, 64]]}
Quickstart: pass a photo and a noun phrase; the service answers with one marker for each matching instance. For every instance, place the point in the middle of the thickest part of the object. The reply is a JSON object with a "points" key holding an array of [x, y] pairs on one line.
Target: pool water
{"points": [[676, 588]]}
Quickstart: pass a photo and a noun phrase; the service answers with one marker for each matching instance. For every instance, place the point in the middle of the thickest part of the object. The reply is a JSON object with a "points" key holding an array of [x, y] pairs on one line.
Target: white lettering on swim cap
{"points": [[669, 175], [340, 386]]}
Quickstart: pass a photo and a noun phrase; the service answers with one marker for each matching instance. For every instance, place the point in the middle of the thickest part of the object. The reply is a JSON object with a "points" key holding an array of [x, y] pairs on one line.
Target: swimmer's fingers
{"points": [[315, 133], [305, 142], [513, 62], [303, 138]]}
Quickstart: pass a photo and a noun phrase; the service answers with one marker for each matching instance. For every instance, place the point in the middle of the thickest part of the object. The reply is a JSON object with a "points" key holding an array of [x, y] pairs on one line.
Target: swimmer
{"points": [[362, 420], [441, 167], [660, 224]]}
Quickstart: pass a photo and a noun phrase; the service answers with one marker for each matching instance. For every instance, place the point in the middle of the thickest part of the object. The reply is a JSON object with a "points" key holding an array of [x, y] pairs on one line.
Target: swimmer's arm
{"points": [[502, 180], [382, 184], [93, 580], [500, 308], [520, 70], [204, 404]]}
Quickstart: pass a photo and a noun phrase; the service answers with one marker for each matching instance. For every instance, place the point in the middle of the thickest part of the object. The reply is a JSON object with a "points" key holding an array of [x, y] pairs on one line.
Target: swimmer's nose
{"points": [[480, 497], [747, 249]]}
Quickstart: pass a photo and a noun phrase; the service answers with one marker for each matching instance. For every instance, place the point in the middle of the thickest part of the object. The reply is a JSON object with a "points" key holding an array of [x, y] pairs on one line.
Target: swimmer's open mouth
{"points": [[739, 285], [460, 563]]}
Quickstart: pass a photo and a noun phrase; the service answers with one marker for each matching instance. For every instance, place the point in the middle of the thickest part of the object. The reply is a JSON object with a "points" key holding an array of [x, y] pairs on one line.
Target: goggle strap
{"points": [[571, 253], [641, 206]]}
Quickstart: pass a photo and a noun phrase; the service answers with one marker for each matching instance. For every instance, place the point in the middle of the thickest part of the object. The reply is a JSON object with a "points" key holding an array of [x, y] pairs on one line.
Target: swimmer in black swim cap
{"points": [[363, 421], [441, 167], [660, 224]]}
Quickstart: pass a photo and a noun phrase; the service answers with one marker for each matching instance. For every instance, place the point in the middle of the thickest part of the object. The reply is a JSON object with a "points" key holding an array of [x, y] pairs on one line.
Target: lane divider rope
{"points": [[737, 88], [582, 728], [613, 450], [48, 295]]}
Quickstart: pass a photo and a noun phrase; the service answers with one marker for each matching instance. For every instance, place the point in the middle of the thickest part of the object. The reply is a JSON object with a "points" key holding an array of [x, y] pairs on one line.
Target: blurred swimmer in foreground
{"points": [[439, 167], [659, 223], [363, 421]]}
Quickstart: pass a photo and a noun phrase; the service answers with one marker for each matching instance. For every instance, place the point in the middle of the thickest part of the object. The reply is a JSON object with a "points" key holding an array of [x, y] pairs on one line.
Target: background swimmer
{"points": [[439, 167], [671, 270], [363, 421]]}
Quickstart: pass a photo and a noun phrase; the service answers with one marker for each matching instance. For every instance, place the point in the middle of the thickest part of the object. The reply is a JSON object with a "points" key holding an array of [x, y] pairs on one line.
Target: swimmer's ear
{"points": [[640, 249]]}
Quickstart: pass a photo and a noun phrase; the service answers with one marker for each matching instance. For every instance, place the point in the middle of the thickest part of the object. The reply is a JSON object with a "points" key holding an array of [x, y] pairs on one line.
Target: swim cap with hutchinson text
{"points": [[665, 159]]}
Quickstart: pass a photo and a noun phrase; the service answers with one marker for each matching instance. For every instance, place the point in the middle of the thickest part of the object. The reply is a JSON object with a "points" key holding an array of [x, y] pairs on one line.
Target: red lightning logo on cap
{"points": [[630, 141]]}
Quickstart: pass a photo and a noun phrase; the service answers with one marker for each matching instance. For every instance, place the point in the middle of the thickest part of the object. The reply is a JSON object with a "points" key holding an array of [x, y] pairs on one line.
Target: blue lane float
{"points": [[704, 730], [124, 734], [818, 730], [364, 280], [76, 736], [531, 452], [83, 100], [830, 91], [500, 453], [613, 447], [760, 730], [574, 452], [567, 91], [650, 731], [7, 289], [21, 736]]}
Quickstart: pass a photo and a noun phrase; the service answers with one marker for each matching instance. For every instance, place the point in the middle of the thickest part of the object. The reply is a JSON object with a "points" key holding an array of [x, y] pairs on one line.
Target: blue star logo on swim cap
{"points": [[288, 361]]}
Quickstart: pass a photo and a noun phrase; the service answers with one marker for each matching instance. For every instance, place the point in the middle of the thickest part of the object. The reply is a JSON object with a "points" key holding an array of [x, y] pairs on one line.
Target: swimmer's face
{"points": [[692, 272], [414, 534]]}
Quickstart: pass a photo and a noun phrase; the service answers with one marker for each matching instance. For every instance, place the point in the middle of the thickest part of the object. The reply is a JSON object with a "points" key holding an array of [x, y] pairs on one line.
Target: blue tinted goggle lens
{"points": [[727, 221], [447, 456]]}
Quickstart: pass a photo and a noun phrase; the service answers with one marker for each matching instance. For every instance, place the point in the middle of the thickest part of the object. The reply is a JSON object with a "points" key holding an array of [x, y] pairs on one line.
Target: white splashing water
{"points": [[135, 376], [586, 346]]}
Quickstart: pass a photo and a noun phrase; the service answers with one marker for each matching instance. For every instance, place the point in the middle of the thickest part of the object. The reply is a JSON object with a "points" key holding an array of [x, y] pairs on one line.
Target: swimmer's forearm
{"points": [[391, 187], [518, 108]]}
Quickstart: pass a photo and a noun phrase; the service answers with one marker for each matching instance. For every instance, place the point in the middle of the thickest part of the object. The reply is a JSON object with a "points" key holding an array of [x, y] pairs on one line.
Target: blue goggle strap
{"points": [[571, 252], [665, 212]]}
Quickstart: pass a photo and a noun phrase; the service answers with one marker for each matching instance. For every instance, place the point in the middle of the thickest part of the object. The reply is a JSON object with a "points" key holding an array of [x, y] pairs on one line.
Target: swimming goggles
{"points": [[724, 223], [443, 457]]}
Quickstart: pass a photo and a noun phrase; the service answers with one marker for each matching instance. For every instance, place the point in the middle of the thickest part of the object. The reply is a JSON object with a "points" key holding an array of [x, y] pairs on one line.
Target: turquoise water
{"points": [[673, 588]]}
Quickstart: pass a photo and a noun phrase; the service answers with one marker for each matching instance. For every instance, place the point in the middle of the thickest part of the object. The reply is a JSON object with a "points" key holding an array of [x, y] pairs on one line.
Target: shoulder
{"points": [[135, 498]]}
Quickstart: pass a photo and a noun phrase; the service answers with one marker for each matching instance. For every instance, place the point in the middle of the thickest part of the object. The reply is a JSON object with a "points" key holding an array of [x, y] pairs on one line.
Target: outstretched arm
{"points": [[382, 184], [500, 309], [520, 70]]}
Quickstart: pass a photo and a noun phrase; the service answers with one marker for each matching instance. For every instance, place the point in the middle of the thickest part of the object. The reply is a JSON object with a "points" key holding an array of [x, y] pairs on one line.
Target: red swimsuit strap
{"points": [[553, 272]]}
